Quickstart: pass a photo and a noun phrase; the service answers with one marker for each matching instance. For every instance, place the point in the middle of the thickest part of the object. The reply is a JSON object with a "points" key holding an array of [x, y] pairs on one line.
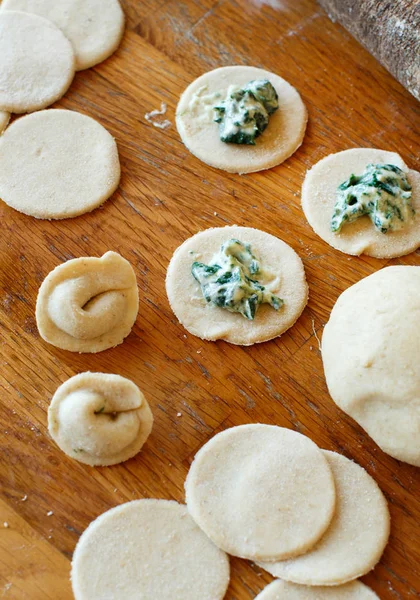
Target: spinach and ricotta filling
{"points": [[382, 192], [230, 281]]}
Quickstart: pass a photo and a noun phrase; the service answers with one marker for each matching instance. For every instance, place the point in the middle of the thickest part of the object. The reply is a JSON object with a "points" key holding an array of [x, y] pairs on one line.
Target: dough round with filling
{"points": [[88, 304], [56, 164], [149, 549], [356, 537], [371, 354], [282, 590], [213, 323], [261, 492], [4, 120], [99, 419], [282, 137], [360, 237], [94, 27], [36, 62]]}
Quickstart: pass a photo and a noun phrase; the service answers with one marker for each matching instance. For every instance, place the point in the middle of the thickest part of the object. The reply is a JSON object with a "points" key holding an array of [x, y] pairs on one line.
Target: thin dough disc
{"points": [[4, 120], [360, 237], [99, 419], [261, 492], [371, 355], [149, 549], [213, 323], [94, 27], [56, 164], [282, 590], [200, 134], [36, 62], [354, 541], [88, 304]]}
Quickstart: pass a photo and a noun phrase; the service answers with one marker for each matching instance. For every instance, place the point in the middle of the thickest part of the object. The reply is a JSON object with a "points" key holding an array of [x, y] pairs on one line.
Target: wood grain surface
{"points": [[165, 196]]}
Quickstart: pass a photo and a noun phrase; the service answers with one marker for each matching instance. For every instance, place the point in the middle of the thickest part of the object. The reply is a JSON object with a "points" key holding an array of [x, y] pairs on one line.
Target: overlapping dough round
{"points": [[282, 590], [360, 237], [356, 537], [56, 164], [371, 354], [4, 120], [212, 323], [149, 549], [99, 419], [283, 136], [248, 489], [88, 304]]}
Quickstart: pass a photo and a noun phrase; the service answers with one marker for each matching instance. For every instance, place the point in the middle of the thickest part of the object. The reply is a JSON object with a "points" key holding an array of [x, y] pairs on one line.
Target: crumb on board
{"points": [[179, 414], [157, 122], [6, 524], [24, 499], [50, 513]]}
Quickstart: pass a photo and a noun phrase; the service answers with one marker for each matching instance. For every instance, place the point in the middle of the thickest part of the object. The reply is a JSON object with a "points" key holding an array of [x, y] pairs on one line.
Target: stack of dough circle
{"points": [[354, 541], [4, 119], [56, 164], [99, 419], [200, 134], [88, 304], [149, 549], [212, 323], [371, 354], [94, 27], [248, 489], [36, 62], [282, 590], [360, 237]]}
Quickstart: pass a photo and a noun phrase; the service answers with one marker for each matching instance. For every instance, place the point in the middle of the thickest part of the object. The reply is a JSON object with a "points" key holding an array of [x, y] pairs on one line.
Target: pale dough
{"points": [[371, 355], [212, 323], [36, 62], [360, 237], [4, 120], [356, 538], [94, 27], [99, 419], [282, 590], [56, 164], [148, 550], [261, 492], [200, 134], [88, 304]]}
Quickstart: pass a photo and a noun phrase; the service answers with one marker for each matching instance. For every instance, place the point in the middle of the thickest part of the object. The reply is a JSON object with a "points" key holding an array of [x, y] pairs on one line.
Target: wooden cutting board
{"points": [[165, 196]]}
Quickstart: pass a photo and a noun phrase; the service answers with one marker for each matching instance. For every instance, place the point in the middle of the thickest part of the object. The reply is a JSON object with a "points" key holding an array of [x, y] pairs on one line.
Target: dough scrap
{"points": [[56, 164], [88, 304], [282, 590], [280, 140], [360, 237], [356, 538], [149, 549], [248, 490], [94, 27], [212, 323], [371, 354], [99, 419], [4, 120], [36, 62]]}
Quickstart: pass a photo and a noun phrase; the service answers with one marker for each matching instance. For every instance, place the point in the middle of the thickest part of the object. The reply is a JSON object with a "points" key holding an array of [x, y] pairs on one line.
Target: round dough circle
{"points": [[282, 590], [99, 419], [36, 62], [356, 538], [88, 304], [56, 164], [360, 237], [280, 140], [94, 27], [371, 354], [4, 120], [212, 323], [248, 490], [149, 549]]}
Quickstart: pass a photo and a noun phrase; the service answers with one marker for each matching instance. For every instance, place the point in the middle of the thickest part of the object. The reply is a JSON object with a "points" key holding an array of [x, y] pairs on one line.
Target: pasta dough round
{"points": [[360, 237], [371, 354], [94, 27], [99, 419], [282, 590], [212, 323], [200, 134], [356, 538], [88, 304], [36, 62], [4, 120], [56, 164], [248, 490], [149, 549]]}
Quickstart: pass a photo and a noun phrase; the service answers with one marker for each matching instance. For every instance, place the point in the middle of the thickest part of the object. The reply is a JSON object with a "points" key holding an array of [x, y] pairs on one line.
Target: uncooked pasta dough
{"points": [[282, 590], [88, 304], [149, 549], [4, 120]]}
